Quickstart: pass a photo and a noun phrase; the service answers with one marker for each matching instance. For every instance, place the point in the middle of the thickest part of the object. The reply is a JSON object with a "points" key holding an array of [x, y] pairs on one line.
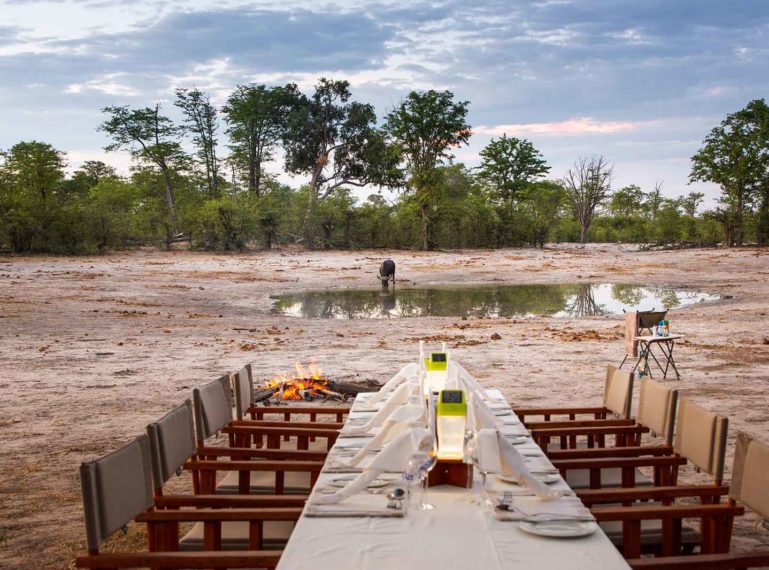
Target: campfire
{"points": [[310, 384], [304, 384]]}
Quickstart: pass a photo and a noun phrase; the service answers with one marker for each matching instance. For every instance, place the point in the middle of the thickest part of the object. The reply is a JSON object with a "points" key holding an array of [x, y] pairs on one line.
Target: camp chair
{"points": [[213, 414], [656, 413], [750, 481], [617, 398], [243, 386], [700, 439], [117, 489], [172, 445]]}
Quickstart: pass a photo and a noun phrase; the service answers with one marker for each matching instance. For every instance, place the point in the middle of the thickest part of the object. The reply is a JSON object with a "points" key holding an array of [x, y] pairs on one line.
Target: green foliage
{"points": [[425, 128], [509, 165]]}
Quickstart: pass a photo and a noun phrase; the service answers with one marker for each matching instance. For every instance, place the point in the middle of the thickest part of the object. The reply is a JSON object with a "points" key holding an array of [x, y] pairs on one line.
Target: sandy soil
{"points": [[92, 349]]}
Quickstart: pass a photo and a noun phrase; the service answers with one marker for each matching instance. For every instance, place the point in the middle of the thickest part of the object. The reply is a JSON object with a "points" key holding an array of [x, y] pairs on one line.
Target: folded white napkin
{"points": [[408, 373], [394, 456], [360, 505], [524, 507], [404, 418], [497, 455], [398, 399], [482, 416]]}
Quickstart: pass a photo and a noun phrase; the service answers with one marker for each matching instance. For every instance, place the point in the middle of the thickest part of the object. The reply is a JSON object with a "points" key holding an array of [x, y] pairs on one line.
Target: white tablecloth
{"points": [[458, 533]]}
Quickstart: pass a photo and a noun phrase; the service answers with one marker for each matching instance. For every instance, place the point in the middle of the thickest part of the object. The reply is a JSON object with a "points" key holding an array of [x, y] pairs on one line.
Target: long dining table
{"points": [[460, 532]]}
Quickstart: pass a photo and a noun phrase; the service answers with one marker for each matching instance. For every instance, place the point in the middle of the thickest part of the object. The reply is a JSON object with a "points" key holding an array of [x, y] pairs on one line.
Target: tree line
{"points": [[221, 195]]}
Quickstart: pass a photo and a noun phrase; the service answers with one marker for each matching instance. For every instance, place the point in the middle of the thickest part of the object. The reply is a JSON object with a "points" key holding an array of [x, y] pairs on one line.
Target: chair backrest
{"points": [[172, 442], [648, 319], [243, 382], [213, 407], [631, 332], [618, 391], [750, 474], [116, 488], [701, 438], [657, 408]]}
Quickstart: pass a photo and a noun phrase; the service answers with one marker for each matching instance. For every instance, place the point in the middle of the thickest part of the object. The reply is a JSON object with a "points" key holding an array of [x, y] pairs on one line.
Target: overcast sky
{"points": [[640, 82]]}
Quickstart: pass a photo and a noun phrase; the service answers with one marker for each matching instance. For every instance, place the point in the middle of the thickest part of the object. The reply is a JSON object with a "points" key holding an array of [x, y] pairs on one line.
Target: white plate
{"points": [[559, 529], [506, 412], [547, 478]]}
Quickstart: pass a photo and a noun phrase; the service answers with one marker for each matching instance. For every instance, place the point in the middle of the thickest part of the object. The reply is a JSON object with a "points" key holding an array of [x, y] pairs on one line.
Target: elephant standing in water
{"points": [[387, 272]]}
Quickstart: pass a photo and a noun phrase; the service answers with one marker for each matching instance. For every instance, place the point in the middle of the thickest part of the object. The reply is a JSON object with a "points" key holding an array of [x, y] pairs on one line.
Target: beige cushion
{"points": [[618, 391], [172, 441], [213, 407], [701, 438], [657, 408], [295, 483], [612, 477], [754, 489], [244, 390], [235, 535], [116, 488]]}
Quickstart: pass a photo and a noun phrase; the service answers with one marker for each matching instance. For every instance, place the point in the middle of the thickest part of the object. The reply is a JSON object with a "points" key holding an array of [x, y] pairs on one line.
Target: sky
{"points": [[639, 82]]}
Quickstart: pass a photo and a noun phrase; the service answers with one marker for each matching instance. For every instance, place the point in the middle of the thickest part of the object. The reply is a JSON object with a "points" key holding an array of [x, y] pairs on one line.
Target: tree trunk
{"points": [[423, 209], [583, 234], [171, 227], [308, 226]]}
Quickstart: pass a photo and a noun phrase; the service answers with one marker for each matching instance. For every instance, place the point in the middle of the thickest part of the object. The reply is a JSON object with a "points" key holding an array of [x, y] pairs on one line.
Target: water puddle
{"points": [[565, 300]]}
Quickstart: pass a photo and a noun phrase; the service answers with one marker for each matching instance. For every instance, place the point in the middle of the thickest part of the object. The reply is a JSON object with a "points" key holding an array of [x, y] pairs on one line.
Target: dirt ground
{"points": [[94, 348]]}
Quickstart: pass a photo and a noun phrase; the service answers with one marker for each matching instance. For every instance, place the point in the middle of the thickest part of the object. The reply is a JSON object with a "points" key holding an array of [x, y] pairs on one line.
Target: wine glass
{"points": [[471, 451], [418, 469]]}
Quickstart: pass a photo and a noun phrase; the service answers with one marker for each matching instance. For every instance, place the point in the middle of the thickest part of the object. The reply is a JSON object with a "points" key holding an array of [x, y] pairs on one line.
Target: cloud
{"points": [[576, 126]]}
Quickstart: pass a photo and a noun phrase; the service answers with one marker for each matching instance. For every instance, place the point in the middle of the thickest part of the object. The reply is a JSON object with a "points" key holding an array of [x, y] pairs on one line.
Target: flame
{"points": [[308, 379]]}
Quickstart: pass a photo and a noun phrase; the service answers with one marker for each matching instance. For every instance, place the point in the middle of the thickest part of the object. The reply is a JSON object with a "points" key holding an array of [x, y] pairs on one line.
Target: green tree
{"points": [[508, 165], [37, 170], [691, 202], [587, 185], [201, 121], [256, 116], [334, 141], [151, 138], [541, 204], [735, 155], [112, 205], [627, 202], [426, 127]]}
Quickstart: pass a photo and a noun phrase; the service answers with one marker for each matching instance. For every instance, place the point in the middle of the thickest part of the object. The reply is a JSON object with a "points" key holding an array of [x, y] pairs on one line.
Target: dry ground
{"points": [[92, 349]]}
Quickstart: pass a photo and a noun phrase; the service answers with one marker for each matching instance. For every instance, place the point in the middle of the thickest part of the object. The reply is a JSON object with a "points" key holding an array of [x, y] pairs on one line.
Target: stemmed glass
{"points": [[417, 470], [471, 451]]}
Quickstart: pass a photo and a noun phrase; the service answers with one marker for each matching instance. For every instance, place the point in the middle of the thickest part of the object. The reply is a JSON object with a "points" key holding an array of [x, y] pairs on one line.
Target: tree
{"points": [[587, 185], [508, 165], [653, 201], [335, 142], [542, 203], [200, 119], [735, 155], [150, 138], [425, 127], [691, 202], [37, 169], [256, 116], [627, 201]]}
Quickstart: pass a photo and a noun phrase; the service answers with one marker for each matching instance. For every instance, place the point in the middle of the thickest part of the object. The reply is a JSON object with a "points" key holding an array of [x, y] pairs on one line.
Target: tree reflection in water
{"points": [[577, 300]]}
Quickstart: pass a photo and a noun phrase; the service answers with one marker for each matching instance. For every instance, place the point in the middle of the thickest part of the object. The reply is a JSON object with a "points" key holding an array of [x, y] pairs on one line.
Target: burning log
{"points": [[265, 394], [310, 385], [350, 388]]}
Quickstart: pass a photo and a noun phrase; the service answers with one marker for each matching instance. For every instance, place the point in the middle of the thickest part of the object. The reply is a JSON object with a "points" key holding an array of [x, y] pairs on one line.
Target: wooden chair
{"points": [[117, 489], [700, 439], [656, 414], [213, 414], [617, 400], [245, 406], [173, 449], [749, 485]]}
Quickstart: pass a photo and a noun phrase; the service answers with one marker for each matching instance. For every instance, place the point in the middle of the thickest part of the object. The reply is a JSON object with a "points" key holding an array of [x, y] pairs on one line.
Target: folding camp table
{"points": [[665, 345]]}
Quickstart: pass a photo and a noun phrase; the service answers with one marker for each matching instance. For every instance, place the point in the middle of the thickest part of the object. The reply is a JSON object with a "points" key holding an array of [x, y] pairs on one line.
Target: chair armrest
{"points": [[606, 430], [231, 501], [620, 462], [704, 561], [288, 430], [282, 424], [288, 465], [578, 423], [596, 411], [220, 515], [261, 453], [320, 410], [175, 560], [601, 452], [626, 494], [662, 512]]}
